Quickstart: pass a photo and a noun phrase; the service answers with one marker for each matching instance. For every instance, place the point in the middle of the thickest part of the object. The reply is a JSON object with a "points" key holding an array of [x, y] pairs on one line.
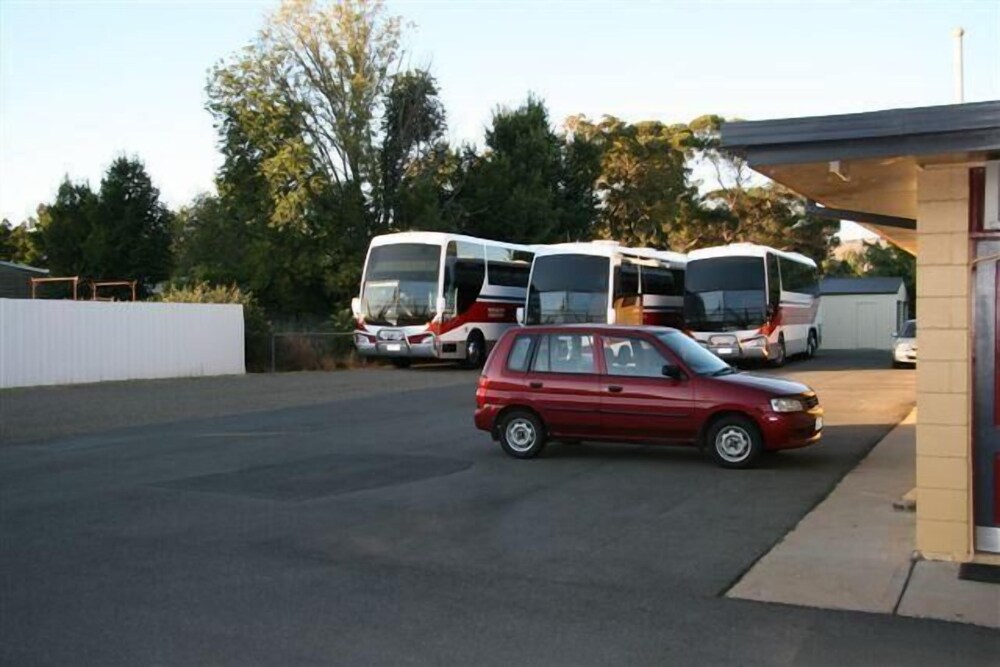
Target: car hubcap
{"points": [[520, 434], [733, 444]]}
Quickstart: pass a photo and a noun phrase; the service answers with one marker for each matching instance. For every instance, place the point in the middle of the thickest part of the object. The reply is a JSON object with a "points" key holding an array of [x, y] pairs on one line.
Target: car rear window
{"points": [[565, 353], [517, 360]]}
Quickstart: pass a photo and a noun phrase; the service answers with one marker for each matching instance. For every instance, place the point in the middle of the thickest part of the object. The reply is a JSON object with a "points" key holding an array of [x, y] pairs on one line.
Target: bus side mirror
{"points": [[439, 305], [519, 315], [355, 307], [612, 316]]}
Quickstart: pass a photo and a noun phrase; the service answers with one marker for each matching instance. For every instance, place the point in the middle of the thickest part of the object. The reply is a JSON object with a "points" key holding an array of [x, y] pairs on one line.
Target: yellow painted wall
{"points": [[944, 458]]}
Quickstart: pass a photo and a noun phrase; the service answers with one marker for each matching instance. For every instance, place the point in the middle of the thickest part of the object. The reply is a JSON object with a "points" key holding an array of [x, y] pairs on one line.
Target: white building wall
{"points": [[859, 321], [45, 342]]}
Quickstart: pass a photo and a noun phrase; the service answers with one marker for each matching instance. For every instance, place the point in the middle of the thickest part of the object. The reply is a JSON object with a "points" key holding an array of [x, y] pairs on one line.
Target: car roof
{"points": [[597, 328]]}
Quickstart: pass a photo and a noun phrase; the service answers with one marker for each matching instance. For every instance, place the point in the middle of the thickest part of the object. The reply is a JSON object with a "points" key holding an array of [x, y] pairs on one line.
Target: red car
{"points": [[636, 384]]}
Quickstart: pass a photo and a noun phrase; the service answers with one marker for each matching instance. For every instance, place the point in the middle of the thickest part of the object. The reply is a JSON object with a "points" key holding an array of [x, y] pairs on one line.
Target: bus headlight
{"points": [[787, 405], [759, 341]]}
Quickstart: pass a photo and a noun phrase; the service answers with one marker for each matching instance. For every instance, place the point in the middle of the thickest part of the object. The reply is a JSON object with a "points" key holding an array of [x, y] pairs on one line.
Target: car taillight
{"points": [[481, 391], [419, 338]]}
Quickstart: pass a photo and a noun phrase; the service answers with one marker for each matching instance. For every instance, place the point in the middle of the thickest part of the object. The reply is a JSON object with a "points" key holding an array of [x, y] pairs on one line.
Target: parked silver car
{"points": [[904, 345]]}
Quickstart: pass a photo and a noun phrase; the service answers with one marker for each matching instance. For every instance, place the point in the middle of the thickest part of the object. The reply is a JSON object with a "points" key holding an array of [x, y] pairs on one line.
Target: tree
{"points": [[121, 232], [412, 154], [876, 259], [299, 113], [513, 190], [642, 185], [741, 207], [65, 226], [21, 243], [130, 235]]}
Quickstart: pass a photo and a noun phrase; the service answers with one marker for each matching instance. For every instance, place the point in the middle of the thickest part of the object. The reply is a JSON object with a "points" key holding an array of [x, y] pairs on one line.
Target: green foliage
{"points": [[642, 183], [21, 244], [517, 189], [879, 260], [65, 226], [743, 208], [122, 232], [412, 153]]}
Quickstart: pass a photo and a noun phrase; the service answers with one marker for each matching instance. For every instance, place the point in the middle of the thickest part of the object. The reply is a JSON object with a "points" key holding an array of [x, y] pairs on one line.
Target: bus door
{"points": [[628, 300]]}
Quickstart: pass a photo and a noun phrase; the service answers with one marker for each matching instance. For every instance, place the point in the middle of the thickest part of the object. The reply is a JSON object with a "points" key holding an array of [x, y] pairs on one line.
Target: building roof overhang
{"points": [[864, 166]]}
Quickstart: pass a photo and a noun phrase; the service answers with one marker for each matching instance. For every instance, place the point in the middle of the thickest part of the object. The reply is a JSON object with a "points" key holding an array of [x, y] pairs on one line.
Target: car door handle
{"points": [[614, 388], [535, 385]]}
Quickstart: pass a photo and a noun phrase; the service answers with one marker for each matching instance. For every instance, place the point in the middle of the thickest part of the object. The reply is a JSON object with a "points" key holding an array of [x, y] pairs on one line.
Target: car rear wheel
{"points": [[522, 434], [735, 442]]}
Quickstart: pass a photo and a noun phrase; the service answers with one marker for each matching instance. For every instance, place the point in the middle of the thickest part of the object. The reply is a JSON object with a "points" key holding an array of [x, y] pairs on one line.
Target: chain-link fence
{"points": [[311, 351]]}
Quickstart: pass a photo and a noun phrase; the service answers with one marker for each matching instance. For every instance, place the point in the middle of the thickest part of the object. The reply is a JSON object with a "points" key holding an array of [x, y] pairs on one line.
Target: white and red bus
{"points": [[603, 281], [746, 301], [430, 295]]}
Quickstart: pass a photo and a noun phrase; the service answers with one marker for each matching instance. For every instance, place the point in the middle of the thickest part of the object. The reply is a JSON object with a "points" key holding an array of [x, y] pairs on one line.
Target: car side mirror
{"points": [[895, 334], [519, 315], [672, 372]]}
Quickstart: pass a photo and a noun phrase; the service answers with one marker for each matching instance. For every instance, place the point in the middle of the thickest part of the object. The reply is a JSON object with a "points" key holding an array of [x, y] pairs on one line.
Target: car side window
{"points": [[517, 360], [565, 353], [635, 357]]}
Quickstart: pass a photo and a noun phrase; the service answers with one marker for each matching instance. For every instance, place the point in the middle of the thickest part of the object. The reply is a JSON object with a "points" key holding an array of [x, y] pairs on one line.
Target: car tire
{"points": [[522, 434], [475, 351], [782, 357], [735, 442], [400, 362]]}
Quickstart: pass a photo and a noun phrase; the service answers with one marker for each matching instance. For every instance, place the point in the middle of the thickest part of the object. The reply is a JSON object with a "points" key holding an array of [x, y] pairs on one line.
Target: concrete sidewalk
{"points": [[854, 551]]}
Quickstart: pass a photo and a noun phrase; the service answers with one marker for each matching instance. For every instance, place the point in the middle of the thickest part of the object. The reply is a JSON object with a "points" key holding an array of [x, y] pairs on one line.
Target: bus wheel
{"points": [[400, 362], [811, 345], [779, 360], [475, 351]]}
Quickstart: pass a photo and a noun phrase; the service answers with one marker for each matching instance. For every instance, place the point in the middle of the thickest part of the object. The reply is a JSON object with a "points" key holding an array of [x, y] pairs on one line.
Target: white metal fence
{"points": [[66, 342]]}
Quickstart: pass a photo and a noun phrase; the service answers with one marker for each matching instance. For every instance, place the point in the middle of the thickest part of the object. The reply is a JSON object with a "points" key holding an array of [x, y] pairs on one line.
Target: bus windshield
{"points": [[725, 294], [401, 284], [568, 288]]}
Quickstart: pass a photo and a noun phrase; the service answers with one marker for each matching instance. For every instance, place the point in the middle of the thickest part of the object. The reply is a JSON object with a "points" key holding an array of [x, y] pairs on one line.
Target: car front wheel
{"points": [[735, 442], [522, 434]]}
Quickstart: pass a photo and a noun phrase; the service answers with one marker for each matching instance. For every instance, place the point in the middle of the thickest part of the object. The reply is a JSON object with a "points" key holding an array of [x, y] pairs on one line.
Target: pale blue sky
{"points": [[82, 82]]}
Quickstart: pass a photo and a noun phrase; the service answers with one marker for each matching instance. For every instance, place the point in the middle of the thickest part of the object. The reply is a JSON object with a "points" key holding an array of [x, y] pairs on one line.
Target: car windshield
{"points": [[725, 293], [909, 330], [699, 360], [401, 284], [568, 289]]}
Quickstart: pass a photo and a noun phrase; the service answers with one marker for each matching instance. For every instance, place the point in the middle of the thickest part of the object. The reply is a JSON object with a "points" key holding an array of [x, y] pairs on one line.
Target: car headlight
{"points": [[787, 405], [759, 341]]}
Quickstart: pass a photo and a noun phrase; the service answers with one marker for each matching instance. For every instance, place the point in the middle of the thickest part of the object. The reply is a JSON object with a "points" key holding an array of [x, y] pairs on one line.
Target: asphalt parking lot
{"points": [[359, 518]]}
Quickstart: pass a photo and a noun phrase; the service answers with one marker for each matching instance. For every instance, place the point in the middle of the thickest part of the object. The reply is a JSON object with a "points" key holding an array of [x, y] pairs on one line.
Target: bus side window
{"points": [[465, 272], [773, 280], [508, 268]]}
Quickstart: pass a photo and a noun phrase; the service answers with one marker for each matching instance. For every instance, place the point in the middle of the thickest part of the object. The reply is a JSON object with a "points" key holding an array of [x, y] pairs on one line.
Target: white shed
{"points": [[862, 313]]}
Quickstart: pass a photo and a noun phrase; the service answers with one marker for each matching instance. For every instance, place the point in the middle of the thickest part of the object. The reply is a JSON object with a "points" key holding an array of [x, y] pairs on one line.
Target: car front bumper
{"points": [[791, 430]]}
